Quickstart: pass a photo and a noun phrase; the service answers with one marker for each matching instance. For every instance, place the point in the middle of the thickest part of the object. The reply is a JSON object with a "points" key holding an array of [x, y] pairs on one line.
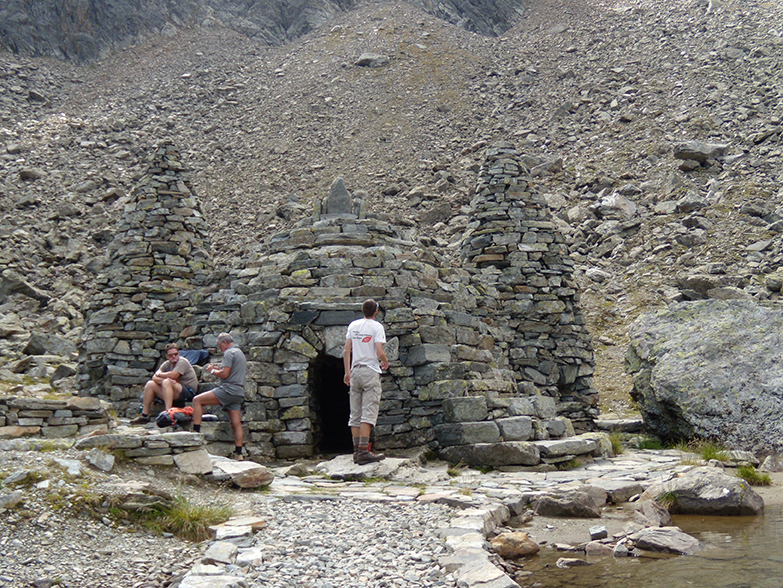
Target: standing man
{"points": [[229, 393], [364, 341], [175, 383]]}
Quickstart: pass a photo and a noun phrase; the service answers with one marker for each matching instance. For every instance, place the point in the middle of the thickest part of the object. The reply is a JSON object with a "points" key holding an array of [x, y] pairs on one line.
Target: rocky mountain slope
{"points": [[602, 94]]}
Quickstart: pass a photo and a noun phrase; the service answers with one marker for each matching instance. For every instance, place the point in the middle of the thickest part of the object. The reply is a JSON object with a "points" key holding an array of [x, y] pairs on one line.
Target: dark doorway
{"points": [[331, 406]]}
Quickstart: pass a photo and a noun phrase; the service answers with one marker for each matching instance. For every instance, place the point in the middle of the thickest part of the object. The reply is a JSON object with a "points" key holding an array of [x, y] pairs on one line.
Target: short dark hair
{"points": [[369, 307], [171, 346]]}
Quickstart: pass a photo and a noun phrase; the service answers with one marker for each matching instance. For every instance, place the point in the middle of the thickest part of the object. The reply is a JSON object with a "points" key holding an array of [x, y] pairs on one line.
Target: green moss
{"points": [[568, 465]]}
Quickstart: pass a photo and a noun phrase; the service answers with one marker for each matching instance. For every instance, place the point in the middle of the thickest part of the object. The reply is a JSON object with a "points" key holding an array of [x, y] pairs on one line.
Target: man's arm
{"points": [[381, 355], [347, 362], [219, 372], [173, 374]]}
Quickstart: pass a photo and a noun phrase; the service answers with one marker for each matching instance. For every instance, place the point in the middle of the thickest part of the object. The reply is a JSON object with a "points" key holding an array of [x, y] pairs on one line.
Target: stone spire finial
{"points": [[339, 200]]}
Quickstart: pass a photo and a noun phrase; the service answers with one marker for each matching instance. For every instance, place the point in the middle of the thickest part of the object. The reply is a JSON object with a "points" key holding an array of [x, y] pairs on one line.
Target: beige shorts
{"points": [[365, 396]]}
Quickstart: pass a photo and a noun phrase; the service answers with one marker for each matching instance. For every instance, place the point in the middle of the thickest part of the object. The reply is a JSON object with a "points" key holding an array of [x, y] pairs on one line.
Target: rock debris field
{"points": [[308, 530]]}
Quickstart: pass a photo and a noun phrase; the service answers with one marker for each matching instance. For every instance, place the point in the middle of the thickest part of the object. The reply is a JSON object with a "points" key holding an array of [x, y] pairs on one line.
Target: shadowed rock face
{"points": [[710, 369], [84, 31]]}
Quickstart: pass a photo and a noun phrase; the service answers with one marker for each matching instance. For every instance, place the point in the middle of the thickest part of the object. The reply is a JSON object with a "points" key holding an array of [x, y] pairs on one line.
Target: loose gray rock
{"points": [[574, 504], [372, 60]]}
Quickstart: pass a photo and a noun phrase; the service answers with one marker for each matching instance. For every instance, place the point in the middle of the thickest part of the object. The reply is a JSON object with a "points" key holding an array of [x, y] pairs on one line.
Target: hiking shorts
{"points": [[185, 396], [365, 396], [227, 400]]}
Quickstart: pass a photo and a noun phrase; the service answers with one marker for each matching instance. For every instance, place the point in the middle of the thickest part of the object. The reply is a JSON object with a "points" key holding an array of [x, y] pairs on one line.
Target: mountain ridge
{"points": [[88, 31]]}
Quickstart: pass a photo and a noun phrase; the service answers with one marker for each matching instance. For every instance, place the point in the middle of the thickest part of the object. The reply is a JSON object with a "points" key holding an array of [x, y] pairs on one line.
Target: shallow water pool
{"points": [[740, 552]]}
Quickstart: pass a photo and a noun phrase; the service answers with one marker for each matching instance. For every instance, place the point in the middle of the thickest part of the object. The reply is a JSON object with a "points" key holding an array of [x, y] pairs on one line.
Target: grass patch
{"points": [[649, 443], [455, 470], [465, 491], [668, 499], [690, 459], [752, 476], [617, 443], [179, 517], [712, 449]]}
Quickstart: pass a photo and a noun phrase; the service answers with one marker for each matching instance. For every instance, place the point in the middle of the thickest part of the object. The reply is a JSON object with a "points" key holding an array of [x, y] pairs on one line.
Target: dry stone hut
{"points": [[483, 357], [160, 253]]}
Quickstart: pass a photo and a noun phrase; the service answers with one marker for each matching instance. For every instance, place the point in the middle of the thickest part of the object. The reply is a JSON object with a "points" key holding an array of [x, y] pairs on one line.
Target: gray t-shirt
{"points": [[187, 376], [235, 382]]}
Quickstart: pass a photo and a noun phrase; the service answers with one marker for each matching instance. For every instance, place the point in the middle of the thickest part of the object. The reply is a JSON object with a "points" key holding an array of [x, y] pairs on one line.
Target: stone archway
{"points": [[329, 400]]}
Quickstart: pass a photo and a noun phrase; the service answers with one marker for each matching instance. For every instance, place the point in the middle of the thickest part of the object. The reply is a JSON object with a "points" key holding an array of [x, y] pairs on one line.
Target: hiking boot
{"points": [[366, 456], [140, 420], [237, 456]]}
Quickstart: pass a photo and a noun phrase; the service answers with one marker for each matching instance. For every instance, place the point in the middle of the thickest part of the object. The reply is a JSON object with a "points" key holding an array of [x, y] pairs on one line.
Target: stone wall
{"points": [[53, 419], [491, 351]]}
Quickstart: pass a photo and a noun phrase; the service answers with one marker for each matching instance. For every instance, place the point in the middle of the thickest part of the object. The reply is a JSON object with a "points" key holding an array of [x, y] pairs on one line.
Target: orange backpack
{"points": [[175, 417]]}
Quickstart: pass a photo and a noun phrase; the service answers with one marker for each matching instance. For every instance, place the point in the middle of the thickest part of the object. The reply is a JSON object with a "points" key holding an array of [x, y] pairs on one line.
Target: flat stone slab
{"points": [[568, 446], [194, 462], [493, 454], [343, 468], [632, 425], [666, 540]]}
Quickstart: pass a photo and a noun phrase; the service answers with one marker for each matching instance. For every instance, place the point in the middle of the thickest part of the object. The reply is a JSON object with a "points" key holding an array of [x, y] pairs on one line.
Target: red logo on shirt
{"points": [[366, 339]]}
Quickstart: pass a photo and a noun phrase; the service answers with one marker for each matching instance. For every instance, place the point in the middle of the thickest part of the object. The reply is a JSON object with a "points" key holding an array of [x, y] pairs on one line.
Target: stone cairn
{"points": [[517, 250], [159, 254]]}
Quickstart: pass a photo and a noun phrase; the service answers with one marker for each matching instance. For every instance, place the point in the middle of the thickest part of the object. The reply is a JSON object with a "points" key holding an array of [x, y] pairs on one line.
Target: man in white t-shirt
{"points": [[364, 360]]}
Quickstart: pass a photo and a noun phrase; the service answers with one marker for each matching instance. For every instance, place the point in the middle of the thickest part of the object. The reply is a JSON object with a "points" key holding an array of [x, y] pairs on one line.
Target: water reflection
{"points": [[741, 552]]}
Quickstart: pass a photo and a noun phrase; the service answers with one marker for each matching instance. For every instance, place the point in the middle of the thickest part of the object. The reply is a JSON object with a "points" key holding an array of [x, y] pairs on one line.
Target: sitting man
{"points": [[175, 383]]}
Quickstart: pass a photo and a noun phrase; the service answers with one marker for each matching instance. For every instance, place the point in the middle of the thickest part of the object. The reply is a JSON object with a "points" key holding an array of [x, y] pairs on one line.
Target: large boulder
{"points": [[710, 369], [706, 491]]}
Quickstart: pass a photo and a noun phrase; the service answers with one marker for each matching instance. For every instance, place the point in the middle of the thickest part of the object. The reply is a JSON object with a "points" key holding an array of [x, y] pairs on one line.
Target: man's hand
{"points": [[384, 365], [347, 378]]}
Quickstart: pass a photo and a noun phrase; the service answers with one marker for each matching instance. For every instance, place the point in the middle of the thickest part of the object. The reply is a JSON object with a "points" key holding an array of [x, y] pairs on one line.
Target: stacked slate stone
{"points": [[160, 252], [179, 448], [517, 250], [53, 419]]}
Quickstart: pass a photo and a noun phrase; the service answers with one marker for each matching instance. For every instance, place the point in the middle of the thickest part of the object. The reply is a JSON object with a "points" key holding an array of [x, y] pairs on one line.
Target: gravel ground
{"points": [[317, 541]]}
